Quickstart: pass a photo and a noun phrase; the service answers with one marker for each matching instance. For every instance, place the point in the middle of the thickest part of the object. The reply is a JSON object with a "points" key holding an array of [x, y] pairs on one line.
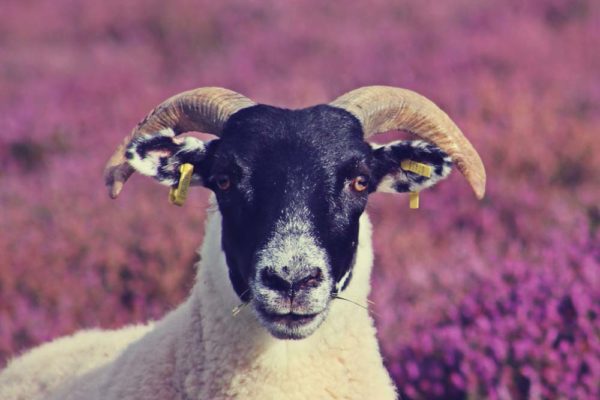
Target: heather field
{"points": [[498, 299]]}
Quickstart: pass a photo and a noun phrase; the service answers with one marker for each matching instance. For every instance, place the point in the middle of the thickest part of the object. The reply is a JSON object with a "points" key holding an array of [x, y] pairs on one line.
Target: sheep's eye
{"points": [[223, 182], [360, 183]]}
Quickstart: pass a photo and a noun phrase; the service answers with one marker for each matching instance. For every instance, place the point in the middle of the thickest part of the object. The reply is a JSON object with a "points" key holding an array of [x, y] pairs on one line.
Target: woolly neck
{"points": [[227, 356]]}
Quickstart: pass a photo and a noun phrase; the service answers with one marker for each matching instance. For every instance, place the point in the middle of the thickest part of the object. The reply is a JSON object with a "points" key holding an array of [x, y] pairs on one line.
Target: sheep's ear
{"points": [[408, 166], [159, 155]]}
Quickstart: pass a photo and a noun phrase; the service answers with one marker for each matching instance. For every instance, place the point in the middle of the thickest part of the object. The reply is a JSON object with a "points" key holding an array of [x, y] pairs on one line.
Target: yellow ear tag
{"points": [[178, 195], [413, 200], [416, 167]]}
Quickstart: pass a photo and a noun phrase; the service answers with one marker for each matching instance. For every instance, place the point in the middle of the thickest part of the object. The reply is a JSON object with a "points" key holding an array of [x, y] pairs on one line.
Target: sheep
{"points": [[286, 235]]}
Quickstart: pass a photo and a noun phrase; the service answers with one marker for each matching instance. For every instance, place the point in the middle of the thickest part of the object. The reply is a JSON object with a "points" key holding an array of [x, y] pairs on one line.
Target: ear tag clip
{"points": [[416, 167], [419, 169], [413, 201], [178, 195]]}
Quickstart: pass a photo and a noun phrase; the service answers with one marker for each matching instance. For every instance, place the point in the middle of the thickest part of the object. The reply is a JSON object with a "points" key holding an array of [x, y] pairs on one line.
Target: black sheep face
{"points": [[291, 186]]}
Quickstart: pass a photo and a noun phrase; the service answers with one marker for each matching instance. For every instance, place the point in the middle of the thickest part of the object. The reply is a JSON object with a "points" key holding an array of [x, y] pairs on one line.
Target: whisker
{"points": [[356, 303], [238, 309]]}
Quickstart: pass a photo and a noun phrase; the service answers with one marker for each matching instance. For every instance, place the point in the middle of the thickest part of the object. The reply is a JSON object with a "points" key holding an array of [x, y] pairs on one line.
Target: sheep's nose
{"points": [[291, 283]]}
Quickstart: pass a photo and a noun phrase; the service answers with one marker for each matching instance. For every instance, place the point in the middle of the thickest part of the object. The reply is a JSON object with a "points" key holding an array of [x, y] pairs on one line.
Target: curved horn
{"points": [[203, 110], [383, 108]]}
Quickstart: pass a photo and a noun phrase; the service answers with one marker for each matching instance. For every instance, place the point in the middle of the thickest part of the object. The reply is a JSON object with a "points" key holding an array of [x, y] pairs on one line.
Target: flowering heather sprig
{"points": [[522, 331]]}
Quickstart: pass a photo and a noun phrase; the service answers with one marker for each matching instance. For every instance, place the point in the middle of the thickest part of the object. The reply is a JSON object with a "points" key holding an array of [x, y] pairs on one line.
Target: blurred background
{"points": [[498, 299]]}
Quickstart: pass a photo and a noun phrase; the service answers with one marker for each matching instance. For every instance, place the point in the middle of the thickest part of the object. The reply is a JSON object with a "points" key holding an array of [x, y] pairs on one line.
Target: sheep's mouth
{"points": [[290, 325], [290, 318]]}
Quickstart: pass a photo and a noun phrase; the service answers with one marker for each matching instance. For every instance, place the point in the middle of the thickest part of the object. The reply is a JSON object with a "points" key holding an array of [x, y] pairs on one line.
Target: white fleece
{"points": [[201, 351]]}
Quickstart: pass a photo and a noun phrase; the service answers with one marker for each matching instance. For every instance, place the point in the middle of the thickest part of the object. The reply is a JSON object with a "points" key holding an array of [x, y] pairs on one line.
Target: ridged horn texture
{"points": [[203, 110], [382, 109]]}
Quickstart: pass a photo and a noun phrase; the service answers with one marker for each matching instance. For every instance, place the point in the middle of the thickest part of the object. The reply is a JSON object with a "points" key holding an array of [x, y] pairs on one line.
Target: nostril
{"points": [[312, 280], [273, 281]]}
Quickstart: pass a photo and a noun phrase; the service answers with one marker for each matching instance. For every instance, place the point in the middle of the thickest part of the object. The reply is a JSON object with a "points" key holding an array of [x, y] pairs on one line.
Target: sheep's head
{"points": [[291, 185]]}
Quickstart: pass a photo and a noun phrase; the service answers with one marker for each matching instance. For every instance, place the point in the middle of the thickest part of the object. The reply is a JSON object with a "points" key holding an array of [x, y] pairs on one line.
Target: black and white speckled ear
{"points": [[159, 155], [391, 177]]}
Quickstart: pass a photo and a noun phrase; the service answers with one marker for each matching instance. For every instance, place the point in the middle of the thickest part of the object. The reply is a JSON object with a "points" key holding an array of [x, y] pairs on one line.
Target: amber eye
{"points": [[223, 182], [360, 183]]}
